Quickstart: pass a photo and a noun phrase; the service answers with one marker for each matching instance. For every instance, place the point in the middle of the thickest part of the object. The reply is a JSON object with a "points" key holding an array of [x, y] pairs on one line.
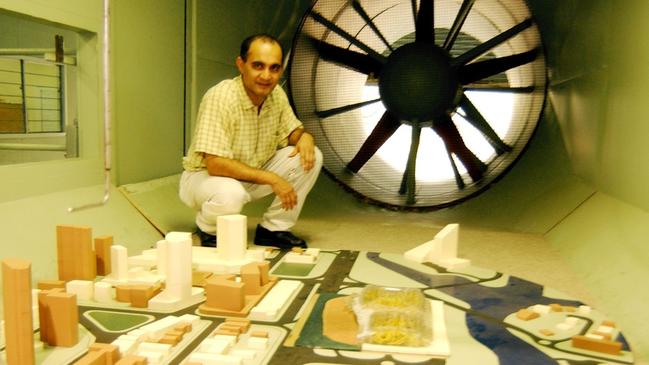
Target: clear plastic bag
{"points": [[393, 316]]}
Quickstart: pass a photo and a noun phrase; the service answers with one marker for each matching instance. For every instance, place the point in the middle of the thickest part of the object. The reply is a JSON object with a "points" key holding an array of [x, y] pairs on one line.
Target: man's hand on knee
{"points": [[305, 146], [285, 192]]}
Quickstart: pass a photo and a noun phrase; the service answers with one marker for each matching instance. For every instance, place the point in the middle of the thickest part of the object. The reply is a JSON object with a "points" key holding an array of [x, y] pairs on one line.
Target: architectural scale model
{"points": [[17, 304], [231, 254], [388, 320], [441, 250], [179, 304], [598, 338], [233, 342], [54, 312], [76, 258], [228, 295], [302, 256]]}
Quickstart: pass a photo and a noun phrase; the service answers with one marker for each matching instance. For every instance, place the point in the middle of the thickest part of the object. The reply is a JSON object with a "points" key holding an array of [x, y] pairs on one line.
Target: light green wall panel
{"points": [[21, 32], [575, 38], [598, 58], [624, 169], [580, 107], [78, 14], [148, 82]]}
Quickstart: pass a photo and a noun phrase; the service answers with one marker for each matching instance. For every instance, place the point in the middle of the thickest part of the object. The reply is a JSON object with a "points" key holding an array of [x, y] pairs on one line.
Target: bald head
{"points": [[263, 37]]}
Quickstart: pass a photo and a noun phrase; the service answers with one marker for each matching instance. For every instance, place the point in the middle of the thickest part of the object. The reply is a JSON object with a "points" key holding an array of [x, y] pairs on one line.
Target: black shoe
{"points": [[207, 240], [281, 239]]}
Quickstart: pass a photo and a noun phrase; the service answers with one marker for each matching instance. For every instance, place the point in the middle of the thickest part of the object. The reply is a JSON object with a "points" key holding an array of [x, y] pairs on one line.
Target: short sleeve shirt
{"points": [[229, 125]]}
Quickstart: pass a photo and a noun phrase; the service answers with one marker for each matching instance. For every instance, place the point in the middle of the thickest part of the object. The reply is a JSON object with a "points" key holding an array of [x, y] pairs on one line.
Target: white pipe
{"points": [[107, 114]]}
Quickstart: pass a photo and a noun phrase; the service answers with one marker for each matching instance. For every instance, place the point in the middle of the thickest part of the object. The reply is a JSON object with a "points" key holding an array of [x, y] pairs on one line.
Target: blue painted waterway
{"points": [[490, 307]]}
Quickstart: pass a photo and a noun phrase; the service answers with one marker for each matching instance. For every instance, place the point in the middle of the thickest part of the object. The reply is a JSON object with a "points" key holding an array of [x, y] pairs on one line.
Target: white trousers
{"points": [[212, 196]]}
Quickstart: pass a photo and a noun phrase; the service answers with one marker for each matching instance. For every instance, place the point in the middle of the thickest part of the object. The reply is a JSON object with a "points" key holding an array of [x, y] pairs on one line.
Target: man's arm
{"points": [[227, 167], [304, 145]]}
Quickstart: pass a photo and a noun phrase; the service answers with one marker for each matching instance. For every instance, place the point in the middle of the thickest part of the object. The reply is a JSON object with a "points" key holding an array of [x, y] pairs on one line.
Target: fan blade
{"points": [[457, 24], [456, 172], [476, 119], [425, 23], [413, 5], [454, 144], [499, 88], [483, 69], [327, 23], [408, 182], [342, 109], [363, 14], [473, 53], [384, 129], [353, 60]]}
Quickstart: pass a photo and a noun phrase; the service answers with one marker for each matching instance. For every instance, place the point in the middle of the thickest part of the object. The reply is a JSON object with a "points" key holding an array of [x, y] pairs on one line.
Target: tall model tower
{"points": [[17, 300]]}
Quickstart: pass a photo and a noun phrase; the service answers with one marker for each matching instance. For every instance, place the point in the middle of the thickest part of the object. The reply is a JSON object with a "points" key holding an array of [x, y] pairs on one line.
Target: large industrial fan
{"points": [[418, 103]]}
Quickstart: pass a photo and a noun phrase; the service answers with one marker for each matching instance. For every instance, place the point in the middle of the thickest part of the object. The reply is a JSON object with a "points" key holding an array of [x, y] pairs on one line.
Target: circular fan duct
{"points": [[418, 103]]}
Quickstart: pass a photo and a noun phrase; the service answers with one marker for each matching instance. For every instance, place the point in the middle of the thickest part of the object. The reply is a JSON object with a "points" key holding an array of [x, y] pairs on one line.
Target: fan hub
{"points": [[418, 83]]}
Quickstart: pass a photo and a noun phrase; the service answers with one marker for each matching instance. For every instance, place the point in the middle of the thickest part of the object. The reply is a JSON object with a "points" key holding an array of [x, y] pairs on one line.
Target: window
{"points": [[31, 96], [38, 90]]}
